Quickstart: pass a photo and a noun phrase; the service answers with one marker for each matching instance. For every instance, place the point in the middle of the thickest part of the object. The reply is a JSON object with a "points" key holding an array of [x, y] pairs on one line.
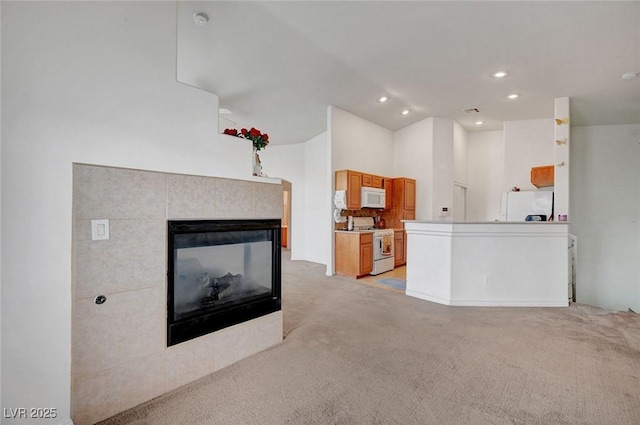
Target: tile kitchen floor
{"points": [[398, 273]]}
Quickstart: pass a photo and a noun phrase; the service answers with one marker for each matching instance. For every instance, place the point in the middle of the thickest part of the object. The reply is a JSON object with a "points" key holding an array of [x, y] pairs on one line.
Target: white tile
{"points": [[105, 393], [127, 326], [105, 192], [268, 200], [232, 344], [188, 361], [190, 197], [134, 257], [266, 331], [233, 198]]}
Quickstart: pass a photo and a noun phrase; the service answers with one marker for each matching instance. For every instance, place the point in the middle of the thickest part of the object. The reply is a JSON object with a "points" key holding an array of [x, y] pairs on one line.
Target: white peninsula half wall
{"points": [[488, 263]]}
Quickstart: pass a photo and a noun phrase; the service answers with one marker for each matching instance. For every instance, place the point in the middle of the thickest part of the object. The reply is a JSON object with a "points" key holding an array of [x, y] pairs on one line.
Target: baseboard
{"points": [[478, 303]]}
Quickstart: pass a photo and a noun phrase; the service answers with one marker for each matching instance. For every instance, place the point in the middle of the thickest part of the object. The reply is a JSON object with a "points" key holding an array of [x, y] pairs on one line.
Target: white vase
{"points": [[257, 166]]}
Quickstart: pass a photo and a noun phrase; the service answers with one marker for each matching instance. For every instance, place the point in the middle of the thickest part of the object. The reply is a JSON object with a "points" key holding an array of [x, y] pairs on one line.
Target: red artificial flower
{"points": [[258, 139], [231, 131]]}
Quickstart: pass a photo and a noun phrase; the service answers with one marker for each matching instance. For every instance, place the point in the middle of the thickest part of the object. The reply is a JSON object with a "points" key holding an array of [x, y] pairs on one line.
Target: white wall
{"points": [[94, 83], [486, 174], [288, 162], [353, 143], [561, 160], [357, 144], [460, 154], [527, 144], [1, 404], [413, 158], [318, 202], [443, 168], [305, 165], [605, 214]]}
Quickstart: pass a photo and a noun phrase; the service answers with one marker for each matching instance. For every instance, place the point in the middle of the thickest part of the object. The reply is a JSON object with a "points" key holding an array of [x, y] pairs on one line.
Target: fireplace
{"points": [[220, 273]]}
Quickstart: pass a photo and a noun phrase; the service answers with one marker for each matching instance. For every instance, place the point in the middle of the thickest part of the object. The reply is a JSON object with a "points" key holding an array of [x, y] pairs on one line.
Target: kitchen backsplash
{"points": [[365, 212]]}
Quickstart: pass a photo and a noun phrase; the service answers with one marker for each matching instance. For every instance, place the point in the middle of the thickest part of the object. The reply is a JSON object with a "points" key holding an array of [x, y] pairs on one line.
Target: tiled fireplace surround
{"points": [[119, 353]]}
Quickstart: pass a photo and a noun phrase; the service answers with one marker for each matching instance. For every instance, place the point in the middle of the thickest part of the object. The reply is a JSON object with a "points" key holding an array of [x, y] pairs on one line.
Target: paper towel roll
{"points": [[340, 199]]}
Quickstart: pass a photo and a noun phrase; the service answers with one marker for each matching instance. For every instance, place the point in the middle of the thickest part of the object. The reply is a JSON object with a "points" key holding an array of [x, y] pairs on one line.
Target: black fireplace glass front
{"points": [[220, 273]]}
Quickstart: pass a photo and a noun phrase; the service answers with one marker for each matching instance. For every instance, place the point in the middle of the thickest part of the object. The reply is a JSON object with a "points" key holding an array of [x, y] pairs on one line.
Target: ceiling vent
{"points": [[472, 110]]}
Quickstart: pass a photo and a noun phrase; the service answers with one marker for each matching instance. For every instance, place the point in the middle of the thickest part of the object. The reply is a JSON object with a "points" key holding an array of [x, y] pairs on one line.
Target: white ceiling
{"points": [[278, 65]]}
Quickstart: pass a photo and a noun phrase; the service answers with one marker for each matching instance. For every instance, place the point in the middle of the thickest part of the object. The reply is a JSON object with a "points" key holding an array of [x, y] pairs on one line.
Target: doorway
{"points": [[286, 214], [459, 202]]}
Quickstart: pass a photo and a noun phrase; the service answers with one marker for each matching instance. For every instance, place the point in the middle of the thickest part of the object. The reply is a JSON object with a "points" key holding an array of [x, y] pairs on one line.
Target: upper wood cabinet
{"points": [[369, 180], [404, 194], [388, 193], [542, 176], [351, 182], [403, 201]]}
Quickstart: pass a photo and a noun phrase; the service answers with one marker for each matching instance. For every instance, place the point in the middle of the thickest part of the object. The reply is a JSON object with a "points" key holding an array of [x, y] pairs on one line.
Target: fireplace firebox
{"points": [[220, 273]]}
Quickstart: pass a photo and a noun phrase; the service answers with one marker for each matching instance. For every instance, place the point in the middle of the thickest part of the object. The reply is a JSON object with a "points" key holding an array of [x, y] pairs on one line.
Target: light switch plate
{"points": [[100, 229]]}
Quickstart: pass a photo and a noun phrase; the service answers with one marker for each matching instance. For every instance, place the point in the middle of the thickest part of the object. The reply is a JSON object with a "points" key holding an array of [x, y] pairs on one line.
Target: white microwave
{"points": [[372, 197]]}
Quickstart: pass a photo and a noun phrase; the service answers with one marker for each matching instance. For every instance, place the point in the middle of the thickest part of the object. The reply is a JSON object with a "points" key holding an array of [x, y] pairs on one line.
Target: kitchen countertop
{"points": [[483, 222], [362, 231]]}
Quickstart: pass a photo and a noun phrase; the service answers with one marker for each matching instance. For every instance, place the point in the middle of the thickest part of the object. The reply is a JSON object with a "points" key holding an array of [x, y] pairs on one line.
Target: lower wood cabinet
{"points": [[399, 246], [354, 253], [284, 238]]}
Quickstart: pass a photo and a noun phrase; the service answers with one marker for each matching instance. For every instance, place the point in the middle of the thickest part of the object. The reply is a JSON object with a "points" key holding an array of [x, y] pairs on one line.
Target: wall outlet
{"points": [[444, 212], [100, 229]]}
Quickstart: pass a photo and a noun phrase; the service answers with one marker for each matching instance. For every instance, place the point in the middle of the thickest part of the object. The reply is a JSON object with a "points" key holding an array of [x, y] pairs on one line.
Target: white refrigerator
{"points": [[516, 206]]}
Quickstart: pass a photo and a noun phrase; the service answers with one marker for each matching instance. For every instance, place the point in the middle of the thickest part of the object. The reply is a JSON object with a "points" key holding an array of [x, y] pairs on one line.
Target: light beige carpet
{"points": [[359, 354]]}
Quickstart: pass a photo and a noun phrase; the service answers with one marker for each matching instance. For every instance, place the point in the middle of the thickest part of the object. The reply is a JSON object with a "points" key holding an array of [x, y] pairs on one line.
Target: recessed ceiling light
{"points": [[405, 112], [383, 99], [200, 18], [513, 96], [500, 74], [479, 122], [627, 76]]}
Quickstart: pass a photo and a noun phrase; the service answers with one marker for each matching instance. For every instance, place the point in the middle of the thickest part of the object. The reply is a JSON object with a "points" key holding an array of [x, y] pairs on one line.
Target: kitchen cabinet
{"points": [[403, 201], [369, 180], [399, 247], [542, 176], [284, 237], [351, 182], [354, 253], [388, 193], [404, 194]]}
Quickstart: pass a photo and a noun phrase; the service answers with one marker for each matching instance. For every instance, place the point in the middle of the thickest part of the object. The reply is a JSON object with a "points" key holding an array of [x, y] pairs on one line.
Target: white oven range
{"points": [[383, 254], [383, 250]]}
